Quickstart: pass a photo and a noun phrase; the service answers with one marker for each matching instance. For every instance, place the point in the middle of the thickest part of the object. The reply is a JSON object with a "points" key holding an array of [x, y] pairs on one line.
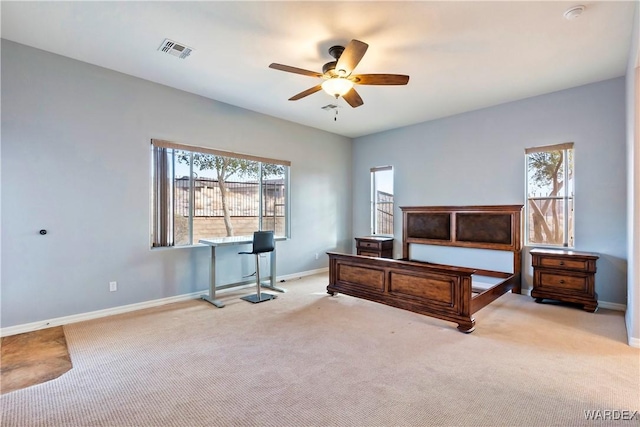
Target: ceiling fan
{"points": [[338, 76]]}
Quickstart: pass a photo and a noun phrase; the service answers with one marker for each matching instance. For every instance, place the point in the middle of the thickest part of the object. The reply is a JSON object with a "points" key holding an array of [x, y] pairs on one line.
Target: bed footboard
{"points": [[443, 292]]}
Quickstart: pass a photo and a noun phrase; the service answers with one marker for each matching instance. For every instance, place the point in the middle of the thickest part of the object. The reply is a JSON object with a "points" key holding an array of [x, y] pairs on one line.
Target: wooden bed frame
{"points": [[442, 291]]}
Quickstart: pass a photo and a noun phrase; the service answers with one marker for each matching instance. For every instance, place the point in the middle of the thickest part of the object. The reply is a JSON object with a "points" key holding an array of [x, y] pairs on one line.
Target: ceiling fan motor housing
{"points": [[336, 51], [329, 68]]}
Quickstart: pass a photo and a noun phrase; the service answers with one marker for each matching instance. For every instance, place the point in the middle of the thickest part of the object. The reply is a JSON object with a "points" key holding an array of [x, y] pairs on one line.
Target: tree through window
{"points": [[550, 183], [204, 193]]}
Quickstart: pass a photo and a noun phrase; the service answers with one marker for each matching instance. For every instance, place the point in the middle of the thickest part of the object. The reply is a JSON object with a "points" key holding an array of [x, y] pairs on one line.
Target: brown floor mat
{"points": [[33, 358]]}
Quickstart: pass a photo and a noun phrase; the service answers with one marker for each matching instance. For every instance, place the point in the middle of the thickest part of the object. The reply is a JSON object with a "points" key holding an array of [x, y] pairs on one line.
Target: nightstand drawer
{"points": [[568, 264], [365, 244], [367, 253], [562, 282]]}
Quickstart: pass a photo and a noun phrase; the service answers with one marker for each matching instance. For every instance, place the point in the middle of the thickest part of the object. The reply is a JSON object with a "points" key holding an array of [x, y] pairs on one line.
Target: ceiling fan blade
{"points": [[305, 93], [295, 70], [380, 79], [353, 98], [351, 56]]}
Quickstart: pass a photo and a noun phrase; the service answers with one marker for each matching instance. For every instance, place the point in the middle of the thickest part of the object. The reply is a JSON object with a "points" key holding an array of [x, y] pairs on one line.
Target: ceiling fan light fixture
{"points": [[337, 86]]}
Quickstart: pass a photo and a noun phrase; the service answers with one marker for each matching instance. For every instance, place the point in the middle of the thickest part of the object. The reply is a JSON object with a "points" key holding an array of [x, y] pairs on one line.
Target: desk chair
{"points": [[263, 241]]}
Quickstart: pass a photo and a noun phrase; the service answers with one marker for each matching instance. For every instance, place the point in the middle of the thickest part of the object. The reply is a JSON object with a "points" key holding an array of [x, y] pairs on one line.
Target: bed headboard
{"points": [[497, 227]]}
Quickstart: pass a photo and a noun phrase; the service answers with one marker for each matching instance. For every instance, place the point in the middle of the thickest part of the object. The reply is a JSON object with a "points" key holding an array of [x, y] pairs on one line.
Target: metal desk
{"points": [[229, 241]]}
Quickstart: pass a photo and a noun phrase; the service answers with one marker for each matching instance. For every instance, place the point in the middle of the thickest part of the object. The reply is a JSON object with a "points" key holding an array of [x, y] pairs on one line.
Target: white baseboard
{"points": [[612, 305], [65, 320], [633, 341], [303, 274]]}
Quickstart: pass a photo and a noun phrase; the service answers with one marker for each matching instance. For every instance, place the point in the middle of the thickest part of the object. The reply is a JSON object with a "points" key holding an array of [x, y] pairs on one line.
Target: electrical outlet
{"points": [[113, 286], [316, 255]]}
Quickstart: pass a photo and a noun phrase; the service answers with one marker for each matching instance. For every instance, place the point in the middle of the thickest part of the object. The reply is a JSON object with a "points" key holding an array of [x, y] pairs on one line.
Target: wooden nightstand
{"points": [[567, 276], [381, 247]]}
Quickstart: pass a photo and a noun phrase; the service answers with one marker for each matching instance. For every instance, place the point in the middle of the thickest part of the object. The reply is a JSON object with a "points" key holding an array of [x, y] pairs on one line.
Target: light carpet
{"points": [[308, 359]]}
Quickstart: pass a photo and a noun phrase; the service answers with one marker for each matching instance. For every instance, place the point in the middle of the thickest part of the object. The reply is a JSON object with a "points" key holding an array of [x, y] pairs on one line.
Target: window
{"points": [[550, 183], [204, 193], [382, 200]]}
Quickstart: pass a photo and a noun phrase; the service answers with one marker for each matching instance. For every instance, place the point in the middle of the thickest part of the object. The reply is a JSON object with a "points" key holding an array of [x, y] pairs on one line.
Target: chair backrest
{"points": [[263, 241]]}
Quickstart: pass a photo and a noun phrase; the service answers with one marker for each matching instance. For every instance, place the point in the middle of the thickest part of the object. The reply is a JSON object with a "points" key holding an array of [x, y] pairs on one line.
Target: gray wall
{"points": [[76, 161], [477, 158]]}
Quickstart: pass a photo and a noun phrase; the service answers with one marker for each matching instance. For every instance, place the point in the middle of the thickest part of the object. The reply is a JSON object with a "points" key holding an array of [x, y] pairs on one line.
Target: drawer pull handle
{"points": [[561, 262], [561, 281]]}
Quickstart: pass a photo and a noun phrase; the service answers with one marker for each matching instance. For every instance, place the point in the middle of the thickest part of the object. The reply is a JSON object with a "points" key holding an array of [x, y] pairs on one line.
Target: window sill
{"points": [[164, 248], [534, 246]]}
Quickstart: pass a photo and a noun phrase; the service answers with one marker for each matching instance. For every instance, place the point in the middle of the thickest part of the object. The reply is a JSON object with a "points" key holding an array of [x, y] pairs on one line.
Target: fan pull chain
{"points": [[335, 118]]}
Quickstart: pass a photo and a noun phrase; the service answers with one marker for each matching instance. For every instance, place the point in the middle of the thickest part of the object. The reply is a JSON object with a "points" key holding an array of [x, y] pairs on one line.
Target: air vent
{"points": [[175, 49]]}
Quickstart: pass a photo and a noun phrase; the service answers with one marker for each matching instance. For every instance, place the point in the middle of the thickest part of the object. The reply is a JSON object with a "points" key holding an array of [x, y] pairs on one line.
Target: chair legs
{"points": [[258, 296]]}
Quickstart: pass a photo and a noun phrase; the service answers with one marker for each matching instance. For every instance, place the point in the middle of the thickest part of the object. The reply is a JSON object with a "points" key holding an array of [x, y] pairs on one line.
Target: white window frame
{"points": [[567, 196], [375, 225]]}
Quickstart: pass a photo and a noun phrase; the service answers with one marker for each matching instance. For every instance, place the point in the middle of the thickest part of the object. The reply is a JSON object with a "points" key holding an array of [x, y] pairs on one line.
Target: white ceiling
{"points": [[461, 56]]}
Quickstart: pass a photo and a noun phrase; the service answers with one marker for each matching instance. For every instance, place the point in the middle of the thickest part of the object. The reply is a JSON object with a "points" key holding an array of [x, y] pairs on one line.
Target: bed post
{"points": [[517, 269], [517, 249]]}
